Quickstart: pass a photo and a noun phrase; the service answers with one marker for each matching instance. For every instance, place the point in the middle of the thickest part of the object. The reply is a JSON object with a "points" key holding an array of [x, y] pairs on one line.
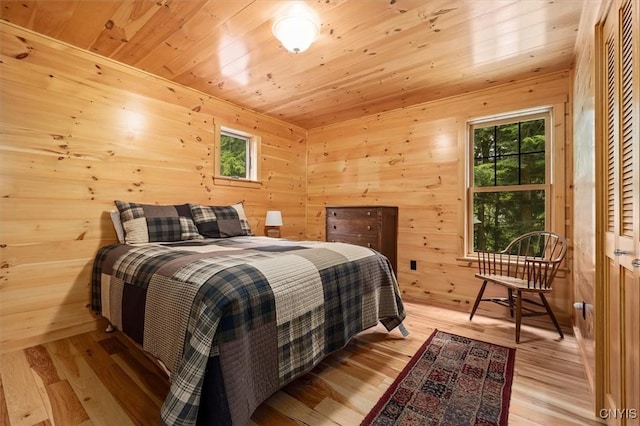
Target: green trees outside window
{"points": [[233, 155], [509, 191]]}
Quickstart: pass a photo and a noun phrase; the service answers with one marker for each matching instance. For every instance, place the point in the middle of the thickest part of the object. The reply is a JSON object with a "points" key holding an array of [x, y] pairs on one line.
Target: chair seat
{"points": [[511, 282], [528, 265]]}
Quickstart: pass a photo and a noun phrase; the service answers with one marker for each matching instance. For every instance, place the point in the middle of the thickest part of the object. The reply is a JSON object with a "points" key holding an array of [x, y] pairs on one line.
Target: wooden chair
{"points": [[528, 265]]}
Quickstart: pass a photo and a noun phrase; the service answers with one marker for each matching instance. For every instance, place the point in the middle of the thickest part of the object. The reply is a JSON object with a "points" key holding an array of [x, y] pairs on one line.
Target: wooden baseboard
{"points": [[13, 345], [586, 363]]}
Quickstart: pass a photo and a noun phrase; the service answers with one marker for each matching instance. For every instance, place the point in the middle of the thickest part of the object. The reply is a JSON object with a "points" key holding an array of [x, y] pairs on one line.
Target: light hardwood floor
{"points": [[102, 379]]}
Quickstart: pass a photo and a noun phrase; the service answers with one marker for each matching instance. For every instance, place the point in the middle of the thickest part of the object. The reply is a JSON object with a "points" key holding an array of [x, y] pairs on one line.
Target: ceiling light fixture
{"points": [[296, 31]]}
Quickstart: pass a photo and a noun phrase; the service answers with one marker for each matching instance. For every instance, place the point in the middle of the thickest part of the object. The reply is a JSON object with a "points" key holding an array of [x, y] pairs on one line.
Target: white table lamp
{"points": [[272, 223]]}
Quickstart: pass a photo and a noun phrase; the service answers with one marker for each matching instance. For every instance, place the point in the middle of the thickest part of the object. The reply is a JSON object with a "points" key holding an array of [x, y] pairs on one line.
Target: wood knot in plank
{"points": [[435, 185], [41, 363]]}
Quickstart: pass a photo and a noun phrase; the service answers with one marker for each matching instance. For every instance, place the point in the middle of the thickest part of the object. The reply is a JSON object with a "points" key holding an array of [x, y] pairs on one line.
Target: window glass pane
{"points": [[233, 155], [532, 168], [532, 135], [509, 154], [484, 142], [484, 156], [499, 217], [507, 171], [507, 139], [484, 172]]}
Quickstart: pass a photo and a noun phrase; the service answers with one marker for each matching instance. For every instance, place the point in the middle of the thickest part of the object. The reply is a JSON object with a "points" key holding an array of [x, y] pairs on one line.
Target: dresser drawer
{"points": [[352, 226], [375, 227], [370, 241], [351, 213]]}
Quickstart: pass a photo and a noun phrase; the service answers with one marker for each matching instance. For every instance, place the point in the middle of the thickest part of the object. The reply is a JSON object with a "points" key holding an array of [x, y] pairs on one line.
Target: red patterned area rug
{"points": [[451, 380]]}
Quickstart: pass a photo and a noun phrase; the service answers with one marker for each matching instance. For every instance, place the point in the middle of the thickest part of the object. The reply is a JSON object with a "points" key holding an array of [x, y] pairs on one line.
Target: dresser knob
{"points": [[335, 227], [335, 214], [368, 227], [369, 245], [368, 213]]}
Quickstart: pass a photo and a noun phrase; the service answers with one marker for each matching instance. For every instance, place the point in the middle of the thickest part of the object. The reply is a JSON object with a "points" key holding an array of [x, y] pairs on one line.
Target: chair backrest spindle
{"points": [[534, 257]]}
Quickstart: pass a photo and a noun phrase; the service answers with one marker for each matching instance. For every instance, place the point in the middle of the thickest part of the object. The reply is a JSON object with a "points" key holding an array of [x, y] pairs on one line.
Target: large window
{"points": [[509, 179], [237, 155]]}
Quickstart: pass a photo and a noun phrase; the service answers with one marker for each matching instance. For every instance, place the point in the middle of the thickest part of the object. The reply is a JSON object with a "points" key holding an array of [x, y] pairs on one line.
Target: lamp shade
{"points": [[295, 32], [274, 218]]}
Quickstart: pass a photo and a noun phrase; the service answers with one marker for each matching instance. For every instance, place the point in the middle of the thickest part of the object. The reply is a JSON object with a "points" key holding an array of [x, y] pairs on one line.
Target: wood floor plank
{"points": [[339, 413], [141, 408], [377, 361], [116, 384], [99, 403], [265, 415], [349, 391], [309, 389], [4, 413], [361, 374], [40, 362], [41, 388], [24, 403], [65, 406], [59, 399], [297, 411]]}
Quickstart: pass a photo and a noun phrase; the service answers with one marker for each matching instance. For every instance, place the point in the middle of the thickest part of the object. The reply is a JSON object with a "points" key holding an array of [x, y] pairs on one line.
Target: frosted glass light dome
{"points": [[296, 33]]}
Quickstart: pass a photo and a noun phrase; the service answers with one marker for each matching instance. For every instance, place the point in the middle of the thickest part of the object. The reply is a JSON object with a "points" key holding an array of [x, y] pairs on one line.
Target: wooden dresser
{"points": [[369, 226]]}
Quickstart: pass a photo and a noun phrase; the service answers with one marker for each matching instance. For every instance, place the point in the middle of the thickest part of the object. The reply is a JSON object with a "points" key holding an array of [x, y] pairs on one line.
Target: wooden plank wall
{"points": [[79, 131], [584, 177], [414, 158]]}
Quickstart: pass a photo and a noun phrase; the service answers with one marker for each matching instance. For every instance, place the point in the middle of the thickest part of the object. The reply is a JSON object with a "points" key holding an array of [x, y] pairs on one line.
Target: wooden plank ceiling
{"points": [[371, 55]]}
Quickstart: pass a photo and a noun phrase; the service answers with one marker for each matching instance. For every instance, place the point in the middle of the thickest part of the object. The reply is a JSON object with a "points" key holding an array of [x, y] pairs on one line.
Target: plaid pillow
{"points": [[147, 223], [221, 221]]}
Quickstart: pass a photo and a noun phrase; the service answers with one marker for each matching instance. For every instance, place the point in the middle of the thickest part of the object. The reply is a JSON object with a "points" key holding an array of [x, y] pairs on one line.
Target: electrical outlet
{"points": [[413, 265]]}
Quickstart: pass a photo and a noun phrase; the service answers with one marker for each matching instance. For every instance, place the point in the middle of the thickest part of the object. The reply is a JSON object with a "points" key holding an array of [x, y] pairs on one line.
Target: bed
{"points": [[234, 319]]}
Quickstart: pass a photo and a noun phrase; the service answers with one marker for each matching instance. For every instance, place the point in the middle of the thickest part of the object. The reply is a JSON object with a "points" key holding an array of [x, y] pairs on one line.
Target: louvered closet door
{"points": [[621, 129]]}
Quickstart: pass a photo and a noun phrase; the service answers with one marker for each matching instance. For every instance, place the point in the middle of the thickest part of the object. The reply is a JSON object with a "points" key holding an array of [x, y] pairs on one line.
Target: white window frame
{"points": [[251, 177], [518, 116]]}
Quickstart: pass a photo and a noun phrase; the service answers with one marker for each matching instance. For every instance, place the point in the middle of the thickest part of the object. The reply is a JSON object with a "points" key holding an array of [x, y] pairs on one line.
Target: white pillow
{"points": [[117, 224]]}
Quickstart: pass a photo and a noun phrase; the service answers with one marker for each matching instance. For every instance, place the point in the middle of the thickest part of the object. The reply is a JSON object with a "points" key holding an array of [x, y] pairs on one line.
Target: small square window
{"points": [[236, 155]]}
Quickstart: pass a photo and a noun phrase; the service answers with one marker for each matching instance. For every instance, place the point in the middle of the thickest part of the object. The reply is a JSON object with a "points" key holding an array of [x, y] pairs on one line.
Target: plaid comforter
{"points": [[236, 319]]}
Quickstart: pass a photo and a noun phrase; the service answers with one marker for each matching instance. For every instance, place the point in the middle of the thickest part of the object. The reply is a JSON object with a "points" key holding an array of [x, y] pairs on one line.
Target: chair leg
{"points": [[510, 295], [478, 299], [518, 315], [550, 312]]}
